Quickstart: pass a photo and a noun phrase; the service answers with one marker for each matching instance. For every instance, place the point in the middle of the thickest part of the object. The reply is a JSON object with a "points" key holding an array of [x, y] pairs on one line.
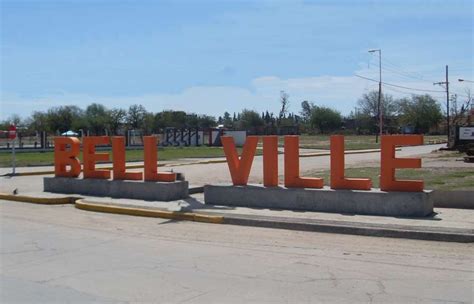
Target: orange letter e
{"points": [[90, 157], [389, 163]]}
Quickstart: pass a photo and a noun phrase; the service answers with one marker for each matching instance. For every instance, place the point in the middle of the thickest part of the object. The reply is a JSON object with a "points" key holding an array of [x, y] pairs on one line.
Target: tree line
{"points": [[421, 113]]}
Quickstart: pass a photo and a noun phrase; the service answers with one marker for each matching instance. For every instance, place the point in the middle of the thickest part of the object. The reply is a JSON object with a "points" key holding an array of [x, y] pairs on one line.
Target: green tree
{"points": [[135, 116], [148, 124], [96, 118], [306, 110], [368, 106], [325, 119], [39, 122], [227, 120], [64, 118], [420, 111], [206, 121], [174, 119], [250, 119], [363, 123], [115, 119]]}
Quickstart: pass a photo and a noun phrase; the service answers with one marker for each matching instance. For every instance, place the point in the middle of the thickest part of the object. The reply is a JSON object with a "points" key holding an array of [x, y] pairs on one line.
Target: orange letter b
{"points": [[64, 157]]}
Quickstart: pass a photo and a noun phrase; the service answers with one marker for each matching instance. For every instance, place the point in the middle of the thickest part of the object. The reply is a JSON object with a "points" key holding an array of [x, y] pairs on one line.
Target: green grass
{"points": [[352, 142], [434, 178], [170, 153]]}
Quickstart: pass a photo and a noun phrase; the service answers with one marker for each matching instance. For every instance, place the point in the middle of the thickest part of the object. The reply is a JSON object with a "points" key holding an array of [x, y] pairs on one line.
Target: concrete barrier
{"points": [[374, 202], [152, 191], [462, 199]]}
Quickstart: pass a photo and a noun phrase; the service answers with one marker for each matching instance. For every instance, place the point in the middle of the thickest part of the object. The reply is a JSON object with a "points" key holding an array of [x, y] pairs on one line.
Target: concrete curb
{"points": [[39, 200], [196, 189], [29, 173], [352, 228], [325, 226], [188, 216], [393, 231], [459, 199]]}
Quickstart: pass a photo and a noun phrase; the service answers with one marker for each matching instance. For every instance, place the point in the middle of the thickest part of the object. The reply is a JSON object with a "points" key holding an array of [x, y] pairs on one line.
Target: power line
{"points": [[398, 69], [407, 93], [407, 76], [399, 86], [405, 73]]}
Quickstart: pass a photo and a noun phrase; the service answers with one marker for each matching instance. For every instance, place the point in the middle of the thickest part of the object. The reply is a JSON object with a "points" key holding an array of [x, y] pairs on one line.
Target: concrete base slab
{"points": [[373, 202], [152, 191], [462, 199]]}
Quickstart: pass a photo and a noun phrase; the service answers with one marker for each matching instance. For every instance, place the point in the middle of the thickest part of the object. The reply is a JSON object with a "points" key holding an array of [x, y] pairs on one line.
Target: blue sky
{"points": [[212, 56]]}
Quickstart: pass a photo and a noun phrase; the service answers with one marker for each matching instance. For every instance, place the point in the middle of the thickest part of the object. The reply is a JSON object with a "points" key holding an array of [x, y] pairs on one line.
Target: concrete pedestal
{"points": [[373, 202], [153, 191]]}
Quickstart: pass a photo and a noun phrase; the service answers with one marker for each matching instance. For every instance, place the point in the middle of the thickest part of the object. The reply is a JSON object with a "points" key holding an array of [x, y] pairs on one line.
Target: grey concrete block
{"points": [[373, 202], [152, 191], [462, 199]]}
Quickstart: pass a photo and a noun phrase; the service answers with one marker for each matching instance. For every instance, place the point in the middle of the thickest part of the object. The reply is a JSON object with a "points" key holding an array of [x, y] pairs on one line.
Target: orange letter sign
{"points": [[292, 167], [239, 168], [389, 163], [90, 157], [118, 154], [270, 161], [338, 180], [64, 157], [151, 162]]}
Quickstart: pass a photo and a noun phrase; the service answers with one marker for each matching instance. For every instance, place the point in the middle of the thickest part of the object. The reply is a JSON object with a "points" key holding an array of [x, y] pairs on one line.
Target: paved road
{"points": [[58, 254], [219, 172]]}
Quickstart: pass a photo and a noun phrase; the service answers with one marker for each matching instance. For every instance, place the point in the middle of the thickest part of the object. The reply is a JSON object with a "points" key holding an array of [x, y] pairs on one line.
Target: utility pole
{"points": [[447, 100], [379, 102]]}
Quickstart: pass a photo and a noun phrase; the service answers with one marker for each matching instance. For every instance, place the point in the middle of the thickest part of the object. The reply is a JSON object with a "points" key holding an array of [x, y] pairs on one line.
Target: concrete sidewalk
{"points": [[451, 225]]}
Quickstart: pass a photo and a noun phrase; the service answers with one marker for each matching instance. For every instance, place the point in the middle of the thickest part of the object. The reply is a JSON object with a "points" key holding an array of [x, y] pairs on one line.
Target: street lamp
{"points": [[465, 80], [379, 103]]}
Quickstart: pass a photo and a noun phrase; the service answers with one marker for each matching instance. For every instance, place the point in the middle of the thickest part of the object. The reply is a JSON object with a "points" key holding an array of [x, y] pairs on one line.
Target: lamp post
{"points": [[379, 103], [465, 80]]}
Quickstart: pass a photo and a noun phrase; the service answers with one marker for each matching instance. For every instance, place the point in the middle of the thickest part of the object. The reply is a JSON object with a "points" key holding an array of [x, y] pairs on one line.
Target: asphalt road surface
{"points": [[58, 254]]}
